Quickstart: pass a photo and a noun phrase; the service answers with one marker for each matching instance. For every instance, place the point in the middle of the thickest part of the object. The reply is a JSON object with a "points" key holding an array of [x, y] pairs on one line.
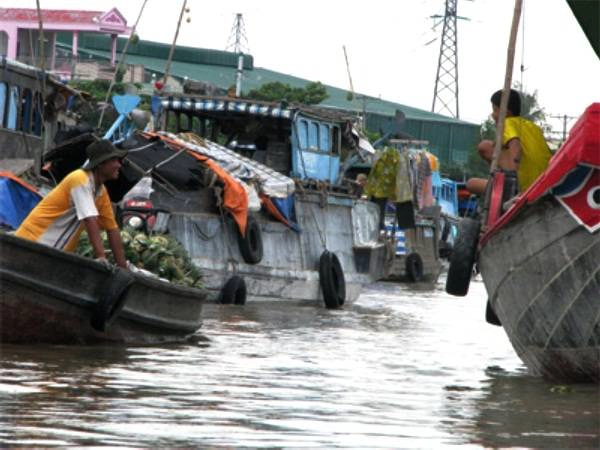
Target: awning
{"points": [[240, 106]]}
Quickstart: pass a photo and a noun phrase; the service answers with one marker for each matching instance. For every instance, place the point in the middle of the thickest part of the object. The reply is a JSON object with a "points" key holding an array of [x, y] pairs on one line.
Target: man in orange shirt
{"points": [[80, 201]]}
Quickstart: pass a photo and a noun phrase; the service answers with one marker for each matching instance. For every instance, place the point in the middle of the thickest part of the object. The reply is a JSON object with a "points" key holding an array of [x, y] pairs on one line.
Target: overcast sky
{"points": [[389, 45]]}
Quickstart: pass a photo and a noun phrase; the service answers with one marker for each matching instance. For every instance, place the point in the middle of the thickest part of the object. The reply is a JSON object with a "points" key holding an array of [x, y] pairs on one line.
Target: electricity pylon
{"points": [[445, 93], [236, 40]]}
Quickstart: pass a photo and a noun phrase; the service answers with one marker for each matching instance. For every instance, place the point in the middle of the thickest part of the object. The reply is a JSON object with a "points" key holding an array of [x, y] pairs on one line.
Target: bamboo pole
{"points": [[172, 49], [41, 37], [120, 64], [510, 59]]}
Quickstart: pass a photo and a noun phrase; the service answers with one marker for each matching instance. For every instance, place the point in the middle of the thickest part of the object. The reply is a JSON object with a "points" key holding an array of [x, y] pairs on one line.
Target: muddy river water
{"points": [[403, 367]]}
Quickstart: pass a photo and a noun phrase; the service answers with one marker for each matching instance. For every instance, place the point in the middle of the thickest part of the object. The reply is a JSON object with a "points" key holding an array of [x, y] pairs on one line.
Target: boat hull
{"points": [[542, 274], [426, 246], [50, 296], [289, 268]]}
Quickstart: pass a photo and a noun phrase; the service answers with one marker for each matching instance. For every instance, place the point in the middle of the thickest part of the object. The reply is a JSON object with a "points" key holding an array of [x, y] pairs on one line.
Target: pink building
{"points": [[19, 33]]}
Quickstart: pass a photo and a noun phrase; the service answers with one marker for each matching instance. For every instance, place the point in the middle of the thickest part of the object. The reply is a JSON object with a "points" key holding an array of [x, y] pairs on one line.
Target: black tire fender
{"points": [[332, 281], [111, 300], [414, 267], [463, 257], [233, 291], [251, 244]]}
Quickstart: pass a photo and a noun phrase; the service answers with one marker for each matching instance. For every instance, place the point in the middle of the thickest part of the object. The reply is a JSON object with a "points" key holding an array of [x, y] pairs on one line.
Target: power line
{"points": [[565, 119]]}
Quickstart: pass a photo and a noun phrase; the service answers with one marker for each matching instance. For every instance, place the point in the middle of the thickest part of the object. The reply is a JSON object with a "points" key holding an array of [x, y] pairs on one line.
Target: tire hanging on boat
{"points": [[251, 245], [414, 267], [111, 301], [331, 278], [463, 257], [233, 291]]}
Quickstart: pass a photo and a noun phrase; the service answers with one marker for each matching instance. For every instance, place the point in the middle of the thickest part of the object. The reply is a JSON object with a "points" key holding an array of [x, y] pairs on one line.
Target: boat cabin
{"points": [[30, 102], [302, 142], [446, 196]]}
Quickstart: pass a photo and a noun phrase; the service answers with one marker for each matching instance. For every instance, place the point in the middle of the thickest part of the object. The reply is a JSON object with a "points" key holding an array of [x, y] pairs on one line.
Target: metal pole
{"points": [[238, 75]]}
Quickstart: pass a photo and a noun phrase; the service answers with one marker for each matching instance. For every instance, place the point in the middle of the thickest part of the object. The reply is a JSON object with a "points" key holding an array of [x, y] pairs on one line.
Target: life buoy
{"points": [[251, 244], [111, 301], [463, 257], [233, 291], [414, 267], [331, 278]]}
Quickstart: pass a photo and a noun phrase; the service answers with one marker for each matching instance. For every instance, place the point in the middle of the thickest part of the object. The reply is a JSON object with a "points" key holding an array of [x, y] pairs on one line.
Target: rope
{"points": [[312, 213], [203, 235]]}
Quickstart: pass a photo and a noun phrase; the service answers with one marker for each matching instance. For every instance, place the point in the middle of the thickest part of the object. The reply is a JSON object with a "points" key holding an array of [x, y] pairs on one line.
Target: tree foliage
{"points": [[312, 94], [90, 111]]}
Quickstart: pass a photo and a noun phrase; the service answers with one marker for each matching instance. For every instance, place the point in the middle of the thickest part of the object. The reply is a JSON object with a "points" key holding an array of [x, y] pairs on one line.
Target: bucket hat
{"points": [[100, 151]]}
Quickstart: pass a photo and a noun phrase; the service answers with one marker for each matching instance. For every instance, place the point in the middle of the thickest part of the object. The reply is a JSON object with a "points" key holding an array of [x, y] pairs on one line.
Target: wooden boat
{"points": [[540, 261], [33, 103], [417, 261], [50, 296], [540, 258], [308, 238]]}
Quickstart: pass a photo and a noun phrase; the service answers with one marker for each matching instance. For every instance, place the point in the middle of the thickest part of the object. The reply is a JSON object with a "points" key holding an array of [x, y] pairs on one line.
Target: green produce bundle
{"points": [[159, 253]]}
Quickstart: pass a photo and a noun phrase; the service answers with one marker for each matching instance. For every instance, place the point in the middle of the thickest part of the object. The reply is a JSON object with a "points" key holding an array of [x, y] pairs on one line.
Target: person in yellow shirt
{"points": [[80, 201], [524, 148]]}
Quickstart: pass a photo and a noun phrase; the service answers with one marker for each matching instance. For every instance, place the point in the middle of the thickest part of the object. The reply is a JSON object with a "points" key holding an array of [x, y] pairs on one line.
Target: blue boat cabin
{"points": [[301, 142]]}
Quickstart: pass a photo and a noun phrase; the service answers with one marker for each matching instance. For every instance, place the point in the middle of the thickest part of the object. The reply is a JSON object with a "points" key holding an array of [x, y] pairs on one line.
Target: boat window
{"points": [[198, 126], [313, 135], [172, 121], [3, 91], [303, 133], [184, 123], [13, 108], [26, 102], [37, 114], [335, 141], [324, 138]]}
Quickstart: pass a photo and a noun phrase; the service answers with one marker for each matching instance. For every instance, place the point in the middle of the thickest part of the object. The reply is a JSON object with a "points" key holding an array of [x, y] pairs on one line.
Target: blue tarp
{"points": [[16, 201], [287, 208]]}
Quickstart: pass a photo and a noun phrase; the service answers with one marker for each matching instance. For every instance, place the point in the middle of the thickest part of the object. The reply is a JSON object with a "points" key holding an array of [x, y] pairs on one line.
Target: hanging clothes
{"points": [[423, 183], [403, 192], [381, 182]]}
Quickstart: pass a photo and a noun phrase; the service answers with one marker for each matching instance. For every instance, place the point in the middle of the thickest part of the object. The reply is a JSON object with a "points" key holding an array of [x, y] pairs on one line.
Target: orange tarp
{"points": [[13, 177], [235, 198]]}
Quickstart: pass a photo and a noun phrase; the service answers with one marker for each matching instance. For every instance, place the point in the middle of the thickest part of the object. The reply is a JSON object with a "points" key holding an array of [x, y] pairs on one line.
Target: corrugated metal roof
{"points": [[93, 42]]}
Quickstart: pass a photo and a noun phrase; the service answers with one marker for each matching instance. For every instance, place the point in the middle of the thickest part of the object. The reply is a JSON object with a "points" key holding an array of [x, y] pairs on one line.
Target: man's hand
{"points": [[102, 260]]}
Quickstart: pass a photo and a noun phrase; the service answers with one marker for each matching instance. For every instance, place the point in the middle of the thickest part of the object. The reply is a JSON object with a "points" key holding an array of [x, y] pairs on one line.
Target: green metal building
{"points": [[450, 139]]}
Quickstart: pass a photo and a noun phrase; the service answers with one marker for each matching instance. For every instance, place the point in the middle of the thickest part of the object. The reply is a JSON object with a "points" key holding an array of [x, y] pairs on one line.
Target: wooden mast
{"points": [[120, 64], [510, 59], [172, 49]]}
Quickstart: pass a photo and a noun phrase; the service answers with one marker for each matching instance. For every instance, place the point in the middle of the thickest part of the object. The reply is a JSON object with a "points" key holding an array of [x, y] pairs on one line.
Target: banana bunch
{"points": [[160, 254]]}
